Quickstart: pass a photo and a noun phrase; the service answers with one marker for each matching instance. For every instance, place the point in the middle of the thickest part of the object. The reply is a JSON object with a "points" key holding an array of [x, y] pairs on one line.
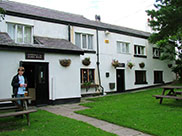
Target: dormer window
{"points": [[20, 33], [84, 41]]}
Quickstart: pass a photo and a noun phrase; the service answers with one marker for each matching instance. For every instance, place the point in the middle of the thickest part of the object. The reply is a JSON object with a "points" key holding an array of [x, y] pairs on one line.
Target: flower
{"points": [[130, 65], [115, 63]]}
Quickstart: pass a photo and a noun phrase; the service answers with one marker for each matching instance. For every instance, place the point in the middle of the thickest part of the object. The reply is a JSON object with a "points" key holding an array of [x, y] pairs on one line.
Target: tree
{"points": [[166, 23], [2, 13]]}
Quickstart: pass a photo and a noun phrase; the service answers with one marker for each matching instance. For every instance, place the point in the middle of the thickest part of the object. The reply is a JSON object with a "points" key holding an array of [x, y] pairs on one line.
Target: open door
{"points": [[38, 86]]}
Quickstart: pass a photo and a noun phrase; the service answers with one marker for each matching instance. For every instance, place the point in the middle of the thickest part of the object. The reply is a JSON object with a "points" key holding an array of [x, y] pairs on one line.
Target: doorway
{"points": [[37, 77], [120, 77]]}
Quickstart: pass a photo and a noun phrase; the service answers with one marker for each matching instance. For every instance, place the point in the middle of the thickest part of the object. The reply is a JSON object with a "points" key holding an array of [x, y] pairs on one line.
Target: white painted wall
{"points": [[40, 28], [108, 52], [63, 82], [93, 57]]}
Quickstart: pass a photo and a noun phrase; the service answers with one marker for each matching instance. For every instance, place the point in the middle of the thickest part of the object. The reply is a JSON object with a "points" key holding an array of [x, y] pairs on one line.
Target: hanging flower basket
{"points": [[142, 65], [170, 65], [115, 63], [65, 62], [86, 61], [130, 65]]}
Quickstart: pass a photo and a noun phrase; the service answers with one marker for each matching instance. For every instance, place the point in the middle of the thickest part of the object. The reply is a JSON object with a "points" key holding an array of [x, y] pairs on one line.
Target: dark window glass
{"points": [[140, 77], [158, 77], [135, 49], [87, 75]]}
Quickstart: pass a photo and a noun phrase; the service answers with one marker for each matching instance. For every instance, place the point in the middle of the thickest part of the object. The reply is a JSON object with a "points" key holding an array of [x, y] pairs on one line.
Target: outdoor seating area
{"points": [[18, 109], [140, 107], [172, 93]]}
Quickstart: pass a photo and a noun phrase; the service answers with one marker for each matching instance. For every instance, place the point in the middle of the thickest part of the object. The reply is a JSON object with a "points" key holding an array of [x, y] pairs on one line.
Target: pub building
{"points": [[67, 56]]}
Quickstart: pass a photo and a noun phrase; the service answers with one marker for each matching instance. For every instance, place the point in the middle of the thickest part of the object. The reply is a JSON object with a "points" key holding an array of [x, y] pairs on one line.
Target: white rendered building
{"points": [[42, 40]]}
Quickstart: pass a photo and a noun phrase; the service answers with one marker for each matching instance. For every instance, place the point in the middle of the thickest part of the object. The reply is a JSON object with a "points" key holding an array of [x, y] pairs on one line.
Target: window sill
{"points": [[140, 56], [140, 83], [159, 82], [91, 86], [124, 53], [90, 51], [154, 57]]}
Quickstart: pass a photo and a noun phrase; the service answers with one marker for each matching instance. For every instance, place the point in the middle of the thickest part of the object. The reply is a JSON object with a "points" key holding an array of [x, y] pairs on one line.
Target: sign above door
{"points": [[36, 56]]}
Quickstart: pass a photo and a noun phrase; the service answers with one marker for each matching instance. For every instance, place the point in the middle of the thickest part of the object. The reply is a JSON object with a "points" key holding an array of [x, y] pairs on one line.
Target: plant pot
{"points": [[130, 65], [115, 63], [142, 65], [86, 62], [65, 62]]}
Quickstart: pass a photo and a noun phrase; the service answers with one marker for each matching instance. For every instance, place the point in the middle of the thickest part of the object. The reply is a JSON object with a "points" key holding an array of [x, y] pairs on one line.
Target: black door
{"points": [[120, 80], [37, 76], [42, 94]]}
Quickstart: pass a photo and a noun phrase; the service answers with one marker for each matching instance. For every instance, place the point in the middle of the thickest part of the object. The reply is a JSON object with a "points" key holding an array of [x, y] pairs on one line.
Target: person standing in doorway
{"points": [[19, 84]]}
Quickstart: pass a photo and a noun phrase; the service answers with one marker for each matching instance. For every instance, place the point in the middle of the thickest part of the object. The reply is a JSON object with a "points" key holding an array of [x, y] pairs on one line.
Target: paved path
{"points": [[68, 111]]}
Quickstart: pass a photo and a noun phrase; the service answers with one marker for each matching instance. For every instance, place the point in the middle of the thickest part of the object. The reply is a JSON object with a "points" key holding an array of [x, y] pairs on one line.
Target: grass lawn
{"points": [[44, 123], [139, 111]]}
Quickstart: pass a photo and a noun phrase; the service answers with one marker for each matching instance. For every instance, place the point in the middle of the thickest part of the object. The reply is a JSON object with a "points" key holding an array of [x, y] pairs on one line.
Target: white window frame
{"points": [[81, 40], [120, 44], [23, 30], [156, 52], [140, 46]]}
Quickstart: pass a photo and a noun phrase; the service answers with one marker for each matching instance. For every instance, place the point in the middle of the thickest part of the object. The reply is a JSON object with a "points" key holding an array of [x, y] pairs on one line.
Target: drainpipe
{"points": [[98, 62], [69, 34]]}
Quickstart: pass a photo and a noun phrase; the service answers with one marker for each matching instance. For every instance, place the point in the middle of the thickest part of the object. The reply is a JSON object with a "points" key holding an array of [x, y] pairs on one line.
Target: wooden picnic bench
{"points": [[172, 94], [22, 109]]}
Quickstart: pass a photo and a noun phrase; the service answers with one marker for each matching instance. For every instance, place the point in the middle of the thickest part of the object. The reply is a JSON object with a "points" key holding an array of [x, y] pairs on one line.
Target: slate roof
{"points": [[42, 43], [30, 10], [4, 38], [56, 43]]}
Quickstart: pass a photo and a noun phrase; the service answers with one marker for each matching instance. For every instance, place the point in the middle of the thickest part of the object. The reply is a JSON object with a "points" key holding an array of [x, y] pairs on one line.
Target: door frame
{"points": [[37, 63]]}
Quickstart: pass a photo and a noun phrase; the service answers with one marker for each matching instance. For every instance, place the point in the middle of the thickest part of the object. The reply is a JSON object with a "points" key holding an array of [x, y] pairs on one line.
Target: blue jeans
{"points": [[19, 96]]}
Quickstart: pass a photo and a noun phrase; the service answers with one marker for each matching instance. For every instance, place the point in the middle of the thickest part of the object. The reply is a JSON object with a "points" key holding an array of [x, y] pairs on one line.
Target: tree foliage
{"points": [[2, 13], [166, 23]]}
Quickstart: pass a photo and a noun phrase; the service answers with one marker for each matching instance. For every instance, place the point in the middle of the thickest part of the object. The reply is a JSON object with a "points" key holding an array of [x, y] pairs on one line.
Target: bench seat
{"points": [[167, 96], [26, 112], [8, 108]]}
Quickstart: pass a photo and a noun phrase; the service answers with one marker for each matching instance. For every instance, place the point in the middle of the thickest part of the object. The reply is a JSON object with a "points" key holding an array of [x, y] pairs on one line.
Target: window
{"points": [[84, 41], [158, 77], [20, 33], [122, 47], [139, 50], [140, 77], [87, 75], [156, 53]]}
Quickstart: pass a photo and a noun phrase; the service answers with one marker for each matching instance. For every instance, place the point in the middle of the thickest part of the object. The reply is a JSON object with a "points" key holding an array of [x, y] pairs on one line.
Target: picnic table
{"points": [[22, 108], [172, 93]]}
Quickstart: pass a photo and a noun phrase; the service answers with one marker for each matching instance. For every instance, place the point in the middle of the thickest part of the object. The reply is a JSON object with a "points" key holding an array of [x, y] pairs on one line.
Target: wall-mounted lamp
{"points": [[107, 32]]}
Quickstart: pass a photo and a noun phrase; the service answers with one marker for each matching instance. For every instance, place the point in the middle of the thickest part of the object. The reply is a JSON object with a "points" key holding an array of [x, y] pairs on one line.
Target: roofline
{"points": [[45, 50], [17, 14]]}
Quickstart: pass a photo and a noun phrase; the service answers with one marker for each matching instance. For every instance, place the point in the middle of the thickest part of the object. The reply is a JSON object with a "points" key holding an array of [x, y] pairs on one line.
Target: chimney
{"points": [[97, 18]]}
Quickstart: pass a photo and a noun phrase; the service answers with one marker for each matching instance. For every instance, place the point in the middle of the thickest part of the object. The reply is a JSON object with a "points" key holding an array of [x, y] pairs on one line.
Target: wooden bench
{"points": [[26, 112], [8, 108], [22, 108], [167, 96]]}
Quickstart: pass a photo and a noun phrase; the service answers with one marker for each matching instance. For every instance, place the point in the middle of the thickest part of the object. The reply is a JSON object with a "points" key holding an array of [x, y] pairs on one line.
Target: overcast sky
{"points": [[128, 13]]}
